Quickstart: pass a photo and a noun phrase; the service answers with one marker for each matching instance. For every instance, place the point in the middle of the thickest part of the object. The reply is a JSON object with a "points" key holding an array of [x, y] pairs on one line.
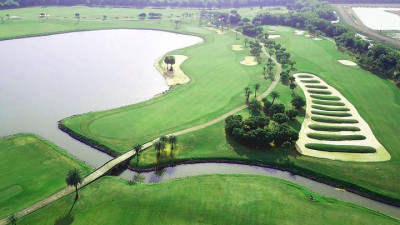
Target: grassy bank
{"points": [[212, 199], [31, 169]]}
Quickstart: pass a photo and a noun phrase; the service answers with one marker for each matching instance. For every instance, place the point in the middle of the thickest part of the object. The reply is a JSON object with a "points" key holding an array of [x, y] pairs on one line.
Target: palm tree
{"points": [[159, 146], [164, 138], [256, 88], [245, 42], [137, 149], [274, 95], [13, 219], [292, 79], [73, 179], [172, 140], [247, 93]]}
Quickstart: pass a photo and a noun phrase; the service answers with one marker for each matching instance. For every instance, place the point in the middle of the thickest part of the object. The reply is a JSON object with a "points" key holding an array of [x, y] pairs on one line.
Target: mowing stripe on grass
{"points": [[322, 92], [332, 120], [336, 114], [325, 108], [327, 103], [324, 97], [311, 81], [336, 137], [340, 148], [316, 86], [305, 76], [320, 127]]}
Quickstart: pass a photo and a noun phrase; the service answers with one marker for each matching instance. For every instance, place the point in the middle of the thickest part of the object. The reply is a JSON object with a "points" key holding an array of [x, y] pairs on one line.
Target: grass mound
{"points": [[311, 81], [323, 97], [336, 137], [340, 148], [316, 86], [322, 92], [327, 103], [305, 76], [337, 114], [325, 108], [332, 120], [320, 127]]}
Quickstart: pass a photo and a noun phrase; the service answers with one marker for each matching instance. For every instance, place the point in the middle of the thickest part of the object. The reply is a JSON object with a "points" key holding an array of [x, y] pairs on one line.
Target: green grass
{"points": [[335, 137], [324, 97], [31, 169], [332, 120], [305, 76], [336, 114], [319, 92], [207, 199], [310, 81], [320, 127], [316, 86], [325, 108], [340, 148], [319, 102]]}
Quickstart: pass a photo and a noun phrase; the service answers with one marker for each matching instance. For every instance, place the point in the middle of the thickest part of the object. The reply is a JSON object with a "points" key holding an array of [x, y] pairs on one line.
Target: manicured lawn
{"points": [[210, 199], [31, 169]]}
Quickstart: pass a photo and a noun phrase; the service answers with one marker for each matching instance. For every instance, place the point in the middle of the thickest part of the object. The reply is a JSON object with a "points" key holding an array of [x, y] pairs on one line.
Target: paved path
{"points": [[126, 156]]}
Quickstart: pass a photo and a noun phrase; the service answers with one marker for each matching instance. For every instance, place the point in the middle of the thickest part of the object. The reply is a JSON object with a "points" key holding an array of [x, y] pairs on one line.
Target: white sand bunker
{"points": [[299, 32], [271, 31], [176, 76], [317, 39], [237, 47], [274, 36], [249, 61], [218, 31], [370, 140], [347, 62], [307, 35]]}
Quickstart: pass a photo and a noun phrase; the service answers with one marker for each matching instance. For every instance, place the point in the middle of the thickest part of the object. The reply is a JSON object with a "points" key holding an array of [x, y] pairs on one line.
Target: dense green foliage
{"points": [[332, 120], [31, 169], [341, 148], [320, 127], [207, 199], [334, 137]]}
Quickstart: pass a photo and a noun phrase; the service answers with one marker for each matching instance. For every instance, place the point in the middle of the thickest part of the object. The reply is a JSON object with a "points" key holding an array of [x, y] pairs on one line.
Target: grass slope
{"points": [[320, 127], [341, 148], [30, 170], [335, 137], [209, 199]]}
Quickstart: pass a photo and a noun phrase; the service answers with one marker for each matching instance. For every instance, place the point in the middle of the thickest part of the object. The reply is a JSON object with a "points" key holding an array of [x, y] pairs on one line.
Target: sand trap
{"points": [[273, 36], [317, 39], [218, 31], [249, 61], [347, 62], [380, 155], [299, 32], [237, 47], [307, 35], [176, 76], [271, 31]]}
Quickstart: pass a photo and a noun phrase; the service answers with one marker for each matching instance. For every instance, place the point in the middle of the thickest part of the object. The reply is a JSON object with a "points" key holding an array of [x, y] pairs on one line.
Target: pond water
{"points": [[378, 18], [45, 79], [181, 171]]}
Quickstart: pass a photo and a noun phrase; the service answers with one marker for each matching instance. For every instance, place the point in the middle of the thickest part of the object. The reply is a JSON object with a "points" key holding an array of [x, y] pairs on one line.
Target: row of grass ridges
{"points": [[330, 113], [325, 108], [340, 148], [320, 127], [336, 137]]}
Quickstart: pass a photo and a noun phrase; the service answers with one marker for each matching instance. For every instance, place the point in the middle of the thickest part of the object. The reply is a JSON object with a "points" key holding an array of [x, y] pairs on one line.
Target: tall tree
{"points": [[164, 138], [137, 149], [74, 178], [172, 139], [159, 146], [274, 96], [247, 93], [256, 88], [12, 219]]}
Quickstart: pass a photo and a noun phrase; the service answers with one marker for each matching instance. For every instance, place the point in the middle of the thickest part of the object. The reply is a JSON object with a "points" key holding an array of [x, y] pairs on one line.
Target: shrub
{"points": [[292, 113], [341, 148], [320, 127], [335, 137], [324, 97], [336, 114], [280, 118], [325, 108], [255, 106], [231, 122], [276, 108], [332, 120], [283, 133], [298, 102], [327, 103]]}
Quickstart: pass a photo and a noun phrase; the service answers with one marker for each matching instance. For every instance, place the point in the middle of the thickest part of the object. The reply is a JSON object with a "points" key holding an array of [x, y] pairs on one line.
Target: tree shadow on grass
{"points": [[66, 219]]}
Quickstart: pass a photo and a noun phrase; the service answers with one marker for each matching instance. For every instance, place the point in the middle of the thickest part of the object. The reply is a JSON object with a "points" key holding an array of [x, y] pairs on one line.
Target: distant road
{"points": [[351, 19]]}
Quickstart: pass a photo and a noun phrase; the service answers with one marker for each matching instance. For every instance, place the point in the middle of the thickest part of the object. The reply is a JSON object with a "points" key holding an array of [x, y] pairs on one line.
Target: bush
{"points": [[255, 106], [327, 103], [325, 108], [267, 105], [341, 148], [232, 122], [319, 127], [324, 97], [283, 133], [292, 113], [335, 137], [316, 86], [336, 114], [298, 102], [280, 118], [319, 92], [276, 108], [332, 120]]}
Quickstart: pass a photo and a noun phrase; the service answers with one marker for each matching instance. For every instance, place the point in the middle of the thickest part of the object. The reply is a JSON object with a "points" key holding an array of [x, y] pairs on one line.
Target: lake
{"points": [[378, 18], [45, 79]]}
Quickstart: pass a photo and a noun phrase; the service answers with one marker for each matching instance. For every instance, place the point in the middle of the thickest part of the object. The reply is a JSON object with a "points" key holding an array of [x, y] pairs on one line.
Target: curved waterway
{"points": [[45, 79], [188, 170]]}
